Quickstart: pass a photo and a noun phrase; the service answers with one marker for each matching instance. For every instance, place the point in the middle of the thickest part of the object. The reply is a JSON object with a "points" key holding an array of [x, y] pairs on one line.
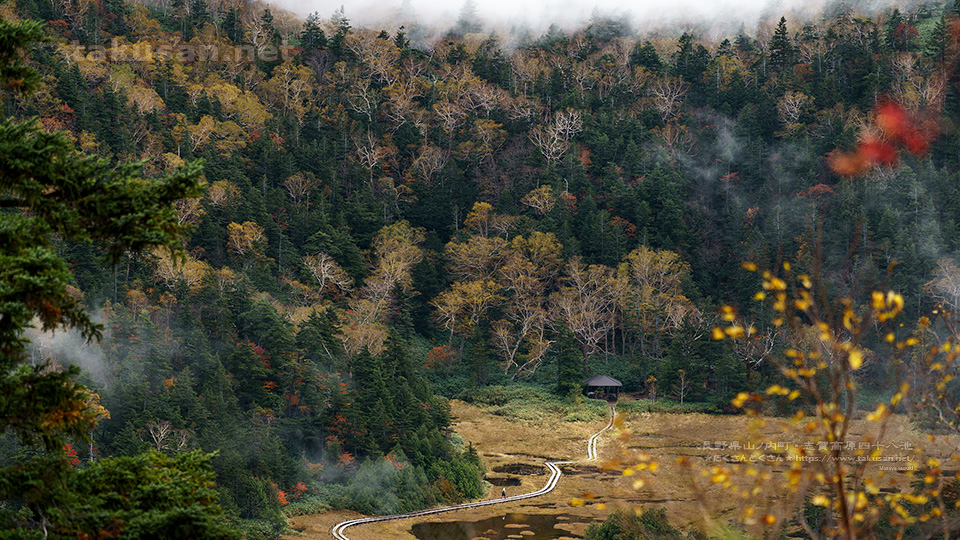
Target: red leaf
{"points": [[877, 151]]}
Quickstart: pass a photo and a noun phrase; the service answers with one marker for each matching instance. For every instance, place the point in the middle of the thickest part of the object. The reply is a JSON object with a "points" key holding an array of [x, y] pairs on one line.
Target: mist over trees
{"points": [[389, 223]]}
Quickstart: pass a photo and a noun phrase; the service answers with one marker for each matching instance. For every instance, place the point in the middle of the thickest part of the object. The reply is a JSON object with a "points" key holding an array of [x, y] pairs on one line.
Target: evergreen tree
{"points": [[744, 43], [936, 42], [645, 55], [339, 22], [233, 25], [47, 190], [895, 32], [477, 356], [198, 16], [468, 22], [312, 36], [317, 338], [72, 196], [371, 403], [569, 363], [781, 48]]}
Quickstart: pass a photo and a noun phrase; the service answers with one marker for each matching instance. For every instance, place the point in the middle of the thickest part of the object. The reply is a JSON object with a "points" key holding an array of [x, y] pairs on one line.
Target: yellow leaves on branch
{"points": [[397, 248], [654, 287], [855, 358], [60, 419], [826, 348], [587, 304], [95, 410], [479, 218], [542, 200], [358, 335], [880, 413], [238, 105], [290, 90], [171, 270], [886, 306], [222, 193], [244, 238], [396, 251], [773, 283], [327, 272], [82, 409], [226, 136], [464, 304], [478, 258], [299, 186]]}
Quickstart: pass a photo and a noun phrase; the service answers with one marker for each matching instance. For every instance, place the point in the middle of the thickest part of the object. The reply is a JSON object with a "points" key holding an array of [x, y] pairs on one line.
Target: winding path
{"points": [[555, 474]]}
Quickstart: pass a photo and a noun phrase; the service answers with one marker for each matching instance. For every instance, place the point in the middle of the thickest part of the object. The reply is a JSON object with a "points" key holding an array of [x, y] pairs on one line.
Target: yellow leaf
{"points": [[856, 359], [878, 414], [741, 398]]}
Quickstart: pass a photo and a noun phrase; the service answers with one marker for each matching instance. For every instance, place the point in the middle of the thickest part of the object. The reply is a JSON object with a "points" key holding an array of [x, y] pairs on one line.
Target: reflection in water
{"points": [[498, 481], [520, 468], [512, 526]]}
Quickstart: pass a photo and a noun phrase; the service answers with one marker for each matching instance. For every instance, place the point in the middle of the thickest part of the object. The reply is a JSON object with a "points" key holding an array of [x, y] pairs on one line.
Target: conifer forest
{"points": [[248, 259]]}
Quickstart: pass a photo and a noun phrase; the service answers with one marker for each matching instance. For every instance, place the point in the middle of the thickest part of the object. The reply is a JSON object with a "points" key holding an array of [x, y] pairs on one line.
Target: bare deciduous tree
{"points": [[667, 94], [327, 272]]}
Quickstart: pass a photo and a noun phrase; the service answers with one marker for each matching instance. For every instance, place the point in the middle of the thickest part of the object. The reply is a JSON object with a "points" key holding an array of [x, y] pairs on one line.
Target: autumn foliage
{"points": [[893, 129]]}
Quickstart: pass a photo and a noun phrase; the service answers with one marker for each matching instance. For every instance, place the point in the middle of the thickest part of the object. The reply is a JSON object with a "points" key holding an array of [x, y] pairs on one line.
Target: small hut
{"points": [[602, 387]]}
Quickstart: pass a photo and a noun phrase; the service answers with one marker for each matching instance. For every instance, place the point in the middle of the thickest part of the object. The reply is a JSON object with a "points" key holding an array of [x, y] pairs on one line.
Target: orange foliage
{"points": [[346, 459], [894, 127], [818, 192], [438, 357], [585, 158], [394, 461], [570, 200], [314, 468], [628, 228], [297, 490]]}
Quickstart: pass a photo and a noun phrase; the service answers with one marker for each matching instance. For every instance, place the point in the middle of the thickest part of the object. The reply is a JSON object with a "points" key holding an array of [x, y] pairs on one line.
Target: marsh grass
{"points": [[530, 402]]}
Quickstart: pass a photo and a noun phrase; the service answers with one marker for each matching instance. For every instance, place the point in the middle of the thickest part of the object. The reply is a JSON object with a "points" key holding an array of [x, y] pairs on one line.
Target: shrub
{"points": [[310, 504], [645, 524], [668, 406]]}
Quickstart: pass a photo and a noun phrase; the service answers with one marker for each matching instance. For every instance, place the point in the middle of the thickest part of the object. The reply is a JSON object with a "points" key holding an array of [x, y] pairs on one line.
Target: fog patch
{"points": [[68, 347], [506, 17]]}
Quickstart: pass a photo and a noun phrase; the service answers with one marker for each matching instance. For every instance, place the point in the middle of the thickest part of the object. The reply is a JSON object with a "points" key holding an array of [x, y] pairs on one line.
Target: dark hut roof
{"points": [[602, 380]]}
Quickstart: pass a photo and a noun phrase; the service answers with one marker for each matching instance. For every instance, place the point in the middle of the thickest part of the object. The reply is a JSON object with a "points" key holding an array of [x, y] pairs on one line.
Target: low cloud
{"points": [[538, 15], [68, 347]]}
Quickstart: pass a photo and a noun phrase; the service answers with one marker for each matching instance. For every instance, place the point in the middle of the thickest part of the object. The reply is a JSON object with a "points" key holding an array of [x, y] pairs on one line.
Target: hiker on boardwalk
{"points": [[503, 493]]}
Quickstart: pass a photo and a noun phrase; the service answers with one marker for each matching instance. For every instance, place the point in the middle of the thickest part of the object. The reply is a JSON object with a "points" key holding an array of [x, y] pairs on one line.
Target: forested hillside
{"points": [[391, 220]]}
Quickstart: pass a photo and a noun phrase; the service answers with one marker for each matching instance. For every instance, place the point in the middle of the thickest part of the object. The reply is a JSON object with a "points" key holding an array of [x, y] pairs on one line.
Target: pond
{"points": [[509, 526], [502, 482], [520, 468]]}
